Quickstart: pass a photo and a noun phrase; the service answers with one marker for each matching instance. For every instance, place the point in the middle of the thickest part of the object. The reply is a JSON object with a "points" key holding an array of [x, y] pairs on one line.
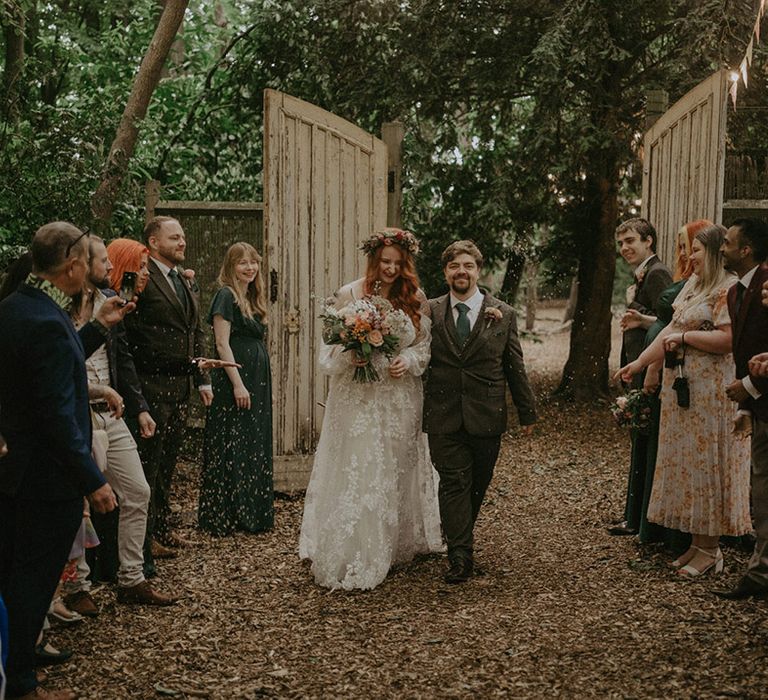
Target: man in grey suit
{"points": [[475, 353]]}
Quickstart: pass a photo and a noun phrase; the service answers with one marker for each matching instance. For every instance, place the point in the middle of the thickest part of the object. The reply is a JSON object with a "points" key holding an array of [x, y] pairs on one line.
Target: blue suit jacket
{"points": [[44, 412]]}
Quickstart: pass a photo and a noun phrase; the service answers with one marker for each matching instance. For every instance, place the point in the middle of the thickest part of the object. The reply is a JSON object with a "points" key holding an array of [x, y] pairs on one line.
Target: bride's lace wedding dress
{"points": [[372, 497]]}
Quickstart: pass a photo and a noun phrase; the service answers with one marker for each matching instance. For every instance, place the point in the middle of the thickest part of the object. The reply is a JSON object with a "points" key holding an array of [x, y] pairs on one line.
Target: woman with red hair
{"points": [[127, 255], [372, 497]]}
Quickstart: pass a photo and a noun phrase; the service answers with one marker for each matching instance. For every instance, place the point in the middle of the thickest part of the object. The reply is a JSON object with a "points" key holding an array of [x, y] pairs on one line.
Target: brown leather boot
{"points": [[159, 551], [82, 602], [143, 594]]}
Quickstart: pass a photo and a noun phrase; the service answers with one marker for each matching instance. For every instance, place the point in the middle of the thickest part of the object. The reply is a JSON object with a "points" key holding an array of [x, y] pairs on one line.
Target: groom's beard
{"points": [[460, 285]]}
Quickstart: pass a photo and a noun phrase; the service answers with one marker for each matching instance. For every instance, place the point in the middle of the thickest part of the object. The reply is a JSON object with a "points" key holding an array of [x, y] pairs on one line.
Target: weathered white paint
{"points": [[684, 162], [325, 192]]}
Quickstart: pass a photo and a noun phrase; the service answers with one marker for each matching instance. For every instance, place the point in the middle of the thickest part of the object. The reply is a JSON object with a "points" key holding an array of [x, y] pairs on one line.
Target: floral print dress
{"points": [[701, 484]]}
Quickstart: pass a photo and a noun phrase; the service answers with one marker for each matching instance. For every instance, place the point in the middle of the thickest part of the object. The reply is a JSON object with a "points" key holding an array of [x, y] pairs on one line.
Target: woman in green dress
{"points": [[236, 491]]}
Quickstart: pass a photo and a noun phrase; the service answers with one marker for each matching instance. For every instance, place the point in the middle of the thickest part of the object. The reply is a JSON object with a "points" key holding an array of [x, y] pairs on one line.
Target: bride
{"points": [[372, 497]]}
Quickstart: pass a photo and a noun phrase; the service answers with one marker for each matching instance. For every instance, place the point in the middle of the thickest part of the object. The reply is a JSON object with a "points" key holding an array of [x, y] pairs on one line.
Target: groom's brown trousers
{"points": [[465, 464]]}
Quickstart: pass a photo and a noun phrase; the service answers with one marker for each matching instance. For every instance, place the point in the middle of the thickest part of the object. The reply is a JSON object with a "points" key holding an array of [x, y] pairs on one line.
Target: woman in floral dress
{"points": [[701, 484]]}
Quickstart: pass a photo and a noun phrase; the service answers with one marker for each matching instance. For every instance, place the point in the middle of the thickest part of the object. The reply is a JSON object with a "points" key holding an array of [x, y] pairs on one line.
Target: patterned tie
{"points": [[178, 285], [462, 322]]}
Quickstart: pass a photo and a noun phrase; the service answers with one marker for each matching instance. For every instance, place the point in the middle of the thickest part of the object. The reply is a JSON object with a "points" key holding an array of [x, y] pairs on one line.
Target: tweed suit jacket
{"points": [[45, 417], [466, 386], [163, 338], [750, 337], [656, 279]]}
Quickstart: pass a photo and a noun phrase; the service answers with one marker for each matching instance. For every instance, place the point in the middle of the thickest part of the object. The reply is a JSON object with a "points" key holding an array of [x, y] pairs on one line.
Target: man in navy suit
{"points": [[745, 250], [46, 422]]}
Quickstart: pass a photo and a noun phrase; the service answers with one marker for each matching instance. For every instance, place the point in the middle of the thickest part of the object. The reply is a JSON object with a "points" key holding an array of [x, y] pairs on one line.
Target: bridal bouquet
{"points": [[367, 327], [633, 410]]}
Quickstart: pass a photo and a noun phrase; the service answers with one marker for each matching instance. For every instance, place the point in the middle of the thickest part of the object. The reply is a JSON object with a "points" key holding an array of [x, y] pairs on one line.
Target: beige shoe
{"points": [[61, 613]]}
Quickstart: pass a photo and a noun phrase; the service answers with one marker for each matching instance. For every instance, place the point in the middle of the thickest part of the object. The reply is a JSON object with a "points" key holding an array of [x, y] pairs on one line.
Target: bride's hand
{"points": [[398, 367]]}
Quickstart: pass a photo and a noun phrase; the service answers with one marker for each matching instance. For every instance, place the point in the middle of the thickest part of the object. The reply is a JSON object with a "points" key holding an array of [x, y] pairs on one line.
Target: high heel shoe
{"points": [[717, 562], [683, 559]]}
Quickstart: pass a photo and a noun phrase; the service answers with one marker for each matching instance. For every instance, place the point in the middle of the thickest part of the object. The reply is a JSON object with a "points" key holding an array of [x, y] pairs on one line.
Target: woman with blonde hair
{"points": [[372, 497], [701, 483], [236, 491], [127, 255]]}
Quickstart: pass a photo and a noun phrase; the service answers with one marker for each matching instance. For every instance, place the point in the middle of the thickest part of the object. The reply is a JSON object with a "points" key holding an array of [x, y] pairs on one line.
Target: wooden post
{"points": [[151, 198], [656, 103], [392, 135]]}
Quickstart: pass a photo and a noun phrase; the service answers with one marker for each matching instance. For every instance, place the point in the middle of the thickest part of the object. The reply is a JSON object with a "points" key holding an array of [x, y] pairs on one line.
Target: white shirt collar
{"points": [[474, 302], [644, 264], [163, 267], [747, 279]]}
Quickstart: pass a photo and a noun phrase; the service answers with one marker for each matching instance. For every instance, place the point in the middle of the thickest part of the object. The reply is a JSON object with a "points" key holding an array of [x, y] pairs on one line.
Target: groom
{"points": [[475, 351]]}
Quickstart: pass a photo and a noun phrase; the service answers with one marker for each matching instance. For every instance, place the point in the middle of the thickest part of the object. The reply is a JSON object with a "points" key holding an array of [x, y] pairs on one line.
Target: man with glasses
{"points": [[46, 422]]}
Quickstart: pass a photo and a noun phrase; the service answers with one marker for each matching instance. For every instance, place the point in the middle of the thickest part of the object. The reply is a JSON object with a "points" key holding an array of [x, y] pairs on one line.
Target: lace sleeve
{"points": [[418, 353], [332, 359]]}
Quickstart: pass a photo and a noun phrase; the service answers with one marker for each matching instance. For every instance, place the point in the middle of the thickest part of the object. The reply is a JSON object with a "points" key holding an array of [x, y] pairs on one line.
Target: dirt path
{"points": [[562, 610]]}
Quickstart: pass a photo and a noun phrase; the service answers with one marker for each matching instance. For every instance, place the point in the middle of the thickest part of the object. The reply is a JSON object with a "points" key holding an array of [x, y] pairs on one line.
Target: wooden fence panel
{"points": [[325, 185], [684, 163]]}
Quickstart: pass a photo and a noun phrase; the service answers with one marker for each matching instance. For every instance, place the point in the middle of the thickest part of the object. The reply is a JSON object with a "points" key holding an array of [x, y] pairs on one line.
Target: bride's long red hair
{"points": [[403, 293]]}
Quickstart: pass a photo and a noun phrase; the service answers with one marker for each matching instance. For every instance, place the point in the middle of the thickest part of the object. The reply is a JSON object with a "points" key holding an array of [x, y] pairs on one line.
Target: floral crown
{"points": [[391, 236]]}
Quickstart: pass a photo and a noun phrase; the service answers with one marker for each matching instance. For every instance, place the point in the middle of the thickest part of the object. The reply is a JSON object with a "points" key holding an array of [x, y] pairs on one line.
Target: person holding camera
{"points": [[701, 484]]}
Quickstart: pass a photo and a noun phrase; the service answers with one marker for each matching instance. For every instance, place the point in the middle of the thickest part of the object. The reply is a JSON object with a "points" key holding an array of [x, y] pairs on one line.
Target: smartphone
{"points": [[128, 286]]}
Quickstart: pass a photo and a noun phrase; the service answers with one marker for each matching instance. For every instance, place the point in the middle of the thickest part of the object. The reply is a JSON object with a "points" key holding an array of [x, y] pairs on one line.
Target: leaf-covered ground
{"points": [[561, 610]]}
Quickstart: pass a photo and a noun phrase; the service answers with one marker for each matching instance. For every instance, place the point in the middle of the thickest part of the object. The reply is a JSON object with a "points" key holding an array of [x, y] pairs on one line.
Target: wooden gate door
{"points": [[325, 190], [684, 162]]}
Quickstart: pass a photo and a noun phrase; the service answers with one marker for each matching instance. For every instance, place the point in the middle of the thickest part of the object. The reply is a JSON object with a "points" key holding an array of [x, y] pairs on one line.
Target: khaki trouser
{"points": [[125, 475]]}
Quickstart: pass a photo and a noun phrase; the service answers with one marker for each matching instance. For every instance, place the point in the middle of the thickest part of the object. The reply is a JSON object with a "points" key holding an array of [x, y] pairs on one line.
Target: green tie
{"points": [[178, 285], [462, 322]]}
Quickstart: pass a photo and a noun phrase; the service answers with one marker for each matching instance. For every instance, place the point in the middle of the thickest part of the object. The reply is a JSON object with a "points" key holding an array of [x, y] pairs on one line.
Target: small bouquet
{"points": [[633, 410], [367, 327]]}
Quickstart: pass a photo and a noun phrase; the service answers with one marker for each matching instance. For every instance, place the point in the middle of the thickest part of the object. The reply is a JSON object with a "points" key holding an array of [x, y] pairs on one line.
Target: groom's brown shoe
{"points": [[459, 572]]}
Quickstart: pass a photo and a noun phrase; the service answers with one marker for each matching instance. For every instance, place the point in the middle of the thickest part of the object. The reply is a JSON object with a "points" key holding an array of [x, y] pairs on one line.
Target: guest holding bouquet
{"points": [[701, 484], [237, 491], [644, 452], [372, 496]]}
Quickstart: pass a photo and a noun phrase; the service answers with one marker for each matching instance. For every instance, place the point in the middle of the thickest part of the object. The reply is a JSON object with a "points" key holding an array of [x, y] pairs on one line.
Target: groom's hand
{"points": [[527, 430]]}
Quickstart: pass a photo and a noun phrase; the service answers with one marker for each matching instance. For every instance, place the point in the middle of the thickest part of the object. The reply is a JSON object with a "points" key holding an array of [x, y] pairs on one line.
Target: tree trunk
{"points": [[513, 276], [103, 200], [531, 294], [585, 376], [573, 295], [13, 32]]}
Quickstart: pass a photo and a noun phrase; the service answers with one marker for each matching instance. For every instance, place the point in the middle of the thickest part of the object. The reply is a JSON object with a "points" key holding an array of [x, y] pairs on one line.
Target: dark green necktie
{"points": [[462, 322], [740, 289], [178, 285]]}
